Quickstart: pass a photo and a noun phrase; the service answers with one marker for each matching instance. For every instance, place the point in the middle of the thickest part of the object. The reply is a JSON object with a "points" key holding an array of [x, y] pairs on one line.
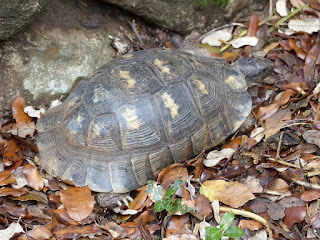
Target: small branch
{"points": [[306, 184]]}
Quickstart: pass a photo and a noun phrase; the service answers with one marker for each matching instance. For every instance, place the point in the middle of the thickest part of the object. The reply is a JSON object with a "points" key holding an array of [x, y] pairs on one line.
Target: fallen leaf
{"points": [[10, 231], [18, 113], [12, 153], [139, 201], [15, 210], [310, 195], [225, 191], [202, 206], [281, 8], [179, 225], [33, 177], [276, 210], [310, 63], [250, 224], [77, 231], [245, 41], [12, 191], [33, 112], [215, 156], [169, 175], [253, 25], [115, 230], [214, 38], [300, 53], [279, 185], [294, 215], [258, 205], [309, 26], [312, 136], [78, 202]]}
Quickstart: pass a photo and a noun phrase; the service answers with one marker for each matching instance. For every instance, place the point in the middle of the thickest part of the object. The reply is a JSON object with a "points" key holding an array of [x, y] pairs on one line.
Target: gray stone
{"points": [[183, 16], [15, 14], [67, 41]]}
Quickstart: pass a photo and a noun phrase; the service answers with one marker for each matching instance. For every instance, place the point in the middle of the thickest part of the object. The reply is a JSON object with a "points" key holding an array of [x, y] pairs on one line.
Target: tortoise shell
{"points": [[138, 114]]}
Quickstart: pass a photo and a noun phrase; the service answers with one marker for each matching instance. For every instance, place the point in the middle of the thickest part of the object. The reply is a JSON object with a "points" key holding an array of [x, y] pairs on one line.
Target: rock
{"points": [[15, 14], [183, 16], [67, 41]]}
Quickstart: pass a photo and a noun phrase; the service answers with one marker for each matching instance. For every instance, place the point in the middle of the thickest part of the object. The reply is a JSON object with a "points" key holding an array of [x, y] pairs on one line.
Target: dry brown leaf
{"points": [[18, 113], [312, 136], [33, 177], [294, 215], [310, 195], [276, 122], [12, 191], [225, 191], [15, 210], [267, 111], [310, 63], [77, 232], [169, 175], [139, 201], [179, 225], [253, 25], [78, 202], [250, 224], [300, 53], [279, 185], [203, 207], [115, 230], [12, 153], [7, 172]]}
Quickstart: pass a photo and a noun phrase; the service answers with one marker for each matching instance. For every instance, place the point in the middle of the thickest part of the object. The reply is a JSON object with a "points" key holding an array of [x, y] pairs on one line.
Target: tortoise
{"points": [[140, 113]]}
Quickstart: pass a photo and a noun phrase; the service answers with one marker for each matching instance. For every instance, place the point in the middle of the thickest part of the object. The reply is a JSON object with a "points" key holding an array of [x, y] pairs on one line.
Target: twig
{"points": [[286, 163], [306, 184], [314, 173], [134, 29], [279, 146], [290, 15], [318, 109], [249, 215]]}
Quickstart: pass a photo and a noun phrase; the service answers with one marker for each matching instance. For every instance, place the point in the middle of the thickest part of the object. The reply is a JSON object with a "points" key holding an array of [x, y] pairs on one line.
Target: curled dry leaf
{"points": [[12, 191], [253, 25], [12, 153], [24, 126], [215, 156], [78, 202], [18, 113], [281, 8], [309, 26], [10, 231], [245, 41], [214, 38], [312, 136], [310, 63], [279, 185], [225, 191], [33, 177], [202, 206]]}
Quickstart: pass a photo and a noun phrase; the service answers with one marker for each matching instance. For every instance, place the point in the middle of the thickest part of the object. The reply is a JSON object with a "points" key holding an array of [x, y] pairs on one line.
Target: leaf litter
{"points": [[267, 176]]}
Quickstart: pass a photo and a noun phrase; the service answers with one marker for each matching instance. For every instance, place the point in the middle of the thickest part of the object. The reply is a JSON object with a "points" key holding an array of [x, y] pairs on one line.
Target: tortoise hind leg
{"points": [[113, 199]]}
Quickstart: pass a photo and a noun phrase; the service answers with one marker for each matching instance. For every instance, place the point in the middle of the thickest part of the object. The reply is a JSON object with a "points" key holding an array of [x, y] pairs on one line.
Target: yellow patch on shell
{"points": [[96, 130], [170, 104], [79, 119], [127, 55], [126, 75], [132, 119], [201, 86], [235, 81], [159, 63]]}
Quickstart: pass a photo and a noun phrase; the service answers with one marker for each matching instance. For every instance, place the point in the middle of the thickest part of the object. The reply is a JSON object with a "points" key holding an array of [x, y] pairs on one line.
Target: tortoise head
{"points": [[255, 69]]}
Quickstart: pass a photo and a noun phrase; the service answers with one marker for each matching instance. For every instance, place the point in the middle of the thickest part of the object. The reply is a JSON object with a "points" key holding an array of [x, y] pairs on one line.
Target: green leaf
{"points": [[158, 206], [226, 220], [172, 190], [233, 232], [150, 187], [203, 4], [213, 233]]}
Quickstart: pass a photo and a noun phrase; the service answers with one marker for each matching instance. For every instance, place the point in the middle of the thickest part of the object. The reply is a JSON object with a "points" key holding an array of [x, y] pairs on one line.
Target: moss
{"points": [[220, 3]]}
